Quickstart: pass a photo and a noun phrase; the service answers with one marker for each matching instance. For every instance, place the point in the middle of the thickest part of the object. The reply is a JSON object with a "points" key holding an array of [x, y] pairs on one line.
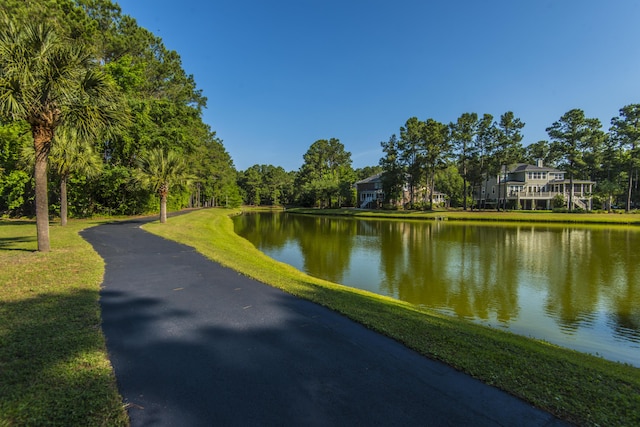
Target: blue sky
{"points": [[281, 74]]}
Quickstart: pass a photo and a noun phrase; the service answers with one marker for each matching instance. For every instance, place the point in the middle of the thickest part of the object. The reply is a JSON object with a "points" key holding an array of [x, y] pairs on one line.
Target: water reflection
{"points": [[574, 286]]}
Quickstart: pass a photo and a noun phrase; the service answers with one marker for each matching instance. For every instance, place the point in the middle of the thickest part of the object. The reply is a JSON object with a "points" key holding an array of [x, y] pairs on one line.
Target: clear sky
{"points": [[281, 74]]}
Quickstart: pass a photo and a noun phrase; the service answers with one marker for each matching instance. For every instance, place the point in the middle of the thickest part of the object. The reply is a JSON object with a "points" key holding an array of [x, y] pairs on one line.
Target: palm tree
{"points": [[71, 154], [159, 171], [47, 81]]}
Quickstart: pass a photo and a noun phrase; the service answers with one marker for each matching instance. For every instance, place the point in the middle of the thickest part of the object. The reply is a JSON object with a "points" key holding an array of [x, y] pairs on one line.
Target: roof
{"points": [[372, 178], [523, 167]]}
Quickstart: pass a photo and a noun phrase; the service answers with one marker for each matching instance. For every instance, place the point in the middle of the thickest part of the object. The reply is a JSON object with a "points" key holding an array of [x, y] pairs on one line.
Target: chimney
{"points": [[539, 163]]}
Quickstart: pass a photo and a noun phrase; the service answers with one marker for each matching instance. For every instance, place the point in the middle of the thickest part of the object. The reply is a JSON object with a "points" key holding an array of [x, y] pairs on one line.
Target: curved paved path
{"points": [[195, 344]]}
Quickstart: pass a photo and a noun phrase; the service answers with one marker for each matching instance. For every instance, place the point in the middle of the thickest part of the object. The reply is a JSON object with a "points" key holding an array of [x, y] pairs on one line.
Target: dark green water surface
{"points": [[575, 286]]}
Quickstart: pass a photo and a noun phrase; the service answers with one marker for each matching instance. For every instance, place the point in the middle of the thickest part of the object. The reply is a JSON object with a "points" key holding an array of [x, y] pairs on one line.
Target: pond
{"points": [[574, 286]]}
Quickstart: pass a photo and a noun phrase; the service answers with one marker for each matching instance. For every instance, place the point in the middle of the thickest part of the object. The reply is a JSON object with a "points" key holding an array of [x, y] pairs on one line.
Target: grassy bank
{"points": [[579, 388], [54, 368], [493, 216]]}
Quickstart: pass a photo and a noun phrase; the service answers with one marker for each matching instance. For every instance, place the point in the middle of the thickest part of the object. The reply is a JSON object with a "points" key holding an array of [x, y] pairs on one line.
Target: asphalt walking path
{"points": [[196, 344]]}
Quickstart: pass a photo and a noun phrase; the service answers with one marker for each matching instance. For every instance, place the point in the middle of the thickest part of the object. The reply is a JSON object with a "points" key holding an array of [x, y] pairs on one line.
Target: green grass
{"points": [[54, 368], [577, 387], [459, 215]]}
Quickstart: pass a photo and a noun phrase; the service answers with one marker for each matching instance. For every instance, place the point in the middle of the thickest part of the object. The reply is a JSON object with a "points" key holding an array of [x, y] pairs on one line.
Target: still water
{"points": [[577, 287]]}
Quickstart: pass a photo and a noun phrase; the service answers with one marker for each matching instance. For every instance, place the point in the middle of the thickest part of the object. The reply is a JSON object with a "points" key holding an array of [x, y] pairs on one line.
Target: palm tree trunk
{"points": [[163, 208], [42, 202], [63, 200]]}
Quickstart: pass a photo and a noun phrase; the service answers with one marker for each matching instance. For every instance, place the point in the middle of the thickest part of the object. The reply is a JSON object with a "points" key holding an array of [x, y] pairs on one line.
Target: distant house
{"points": [[532, 187], [370, 194]]}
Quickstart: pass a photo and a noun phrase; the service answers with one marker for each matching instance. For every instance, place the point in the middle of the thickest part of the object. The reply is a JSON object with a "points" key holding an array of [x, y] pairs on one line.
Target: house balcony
{"points": [[546, 194], [532, 200]]}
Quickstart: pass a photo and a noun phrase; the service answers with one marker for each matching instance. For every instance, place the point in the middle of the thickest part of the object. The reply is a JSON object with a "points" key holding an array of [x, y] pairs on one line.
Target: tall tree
{"points": [[159, 171], [571, 136], [393, 175], [449, 181], [163, 101], [625, 131], [462, 134], [483, 146], [609, 183], [436, 150], [540, 150], [47, 80], [216, 180], [367, 171], [509, 148], [266, 185], [411, 147], [70, 154], [250, 182], [278, 184], [326, 168]]}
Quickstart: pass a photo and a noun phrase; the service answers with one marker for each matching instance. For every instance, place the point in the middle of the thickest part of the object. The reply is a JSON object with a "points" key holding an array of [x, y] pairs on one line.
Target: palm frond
{"points": [[71, 153], [44, 79], [157, 170]]}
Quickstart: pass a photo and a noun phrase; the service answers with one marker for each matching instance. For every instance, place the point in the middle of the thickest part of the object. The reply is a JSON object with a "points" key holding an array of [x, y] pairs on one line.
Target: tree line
{"points": [[480, 147], [456, 158], [98, 117], [325, 179], [86, 97]]}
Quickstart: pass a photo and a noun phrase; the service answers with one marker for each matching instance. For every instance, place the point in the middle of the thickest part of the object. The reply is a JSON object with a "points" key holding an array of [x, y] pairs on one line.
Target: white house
{"points": [[533, 187]]}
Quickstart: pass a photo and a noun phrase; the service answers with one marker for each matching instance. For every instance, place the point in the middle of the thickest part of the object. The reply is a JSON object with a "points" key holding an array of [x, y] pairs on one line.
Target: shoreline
{"points": [[579, 388], [632, 219]]}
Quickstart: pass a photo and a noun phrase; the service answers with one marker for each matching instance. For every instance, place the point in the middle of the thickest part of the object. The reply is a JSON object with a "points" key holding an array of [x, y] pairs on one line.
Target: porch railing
{"points": [[545, 194]]}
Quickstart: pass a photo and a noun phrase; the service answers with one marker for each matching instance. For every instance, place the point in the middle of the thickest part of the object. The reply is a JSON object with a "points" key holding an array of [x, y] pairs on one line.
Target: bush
{"points": [[13, 188], [558, 202]]}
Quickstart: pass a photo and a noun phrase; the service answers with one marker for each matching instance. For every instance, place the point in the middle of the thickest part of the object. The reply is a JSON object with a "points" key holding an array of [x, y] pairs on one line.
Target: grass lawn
{"points": [[580, 388], [54, 368], [509, 216]]}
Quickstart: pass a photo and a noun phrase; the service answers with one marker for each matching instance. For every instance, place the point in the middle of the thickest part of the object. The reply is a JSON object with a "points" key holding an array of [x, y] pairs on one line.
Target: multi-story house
{"points": [[370, 194], [533, 187]]}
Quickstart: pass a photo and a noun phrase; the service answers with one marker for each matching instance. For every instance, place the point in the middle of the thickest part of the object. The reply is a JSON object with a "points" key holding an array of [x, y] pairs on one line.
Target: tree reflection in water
{"points": [[575, 286]]}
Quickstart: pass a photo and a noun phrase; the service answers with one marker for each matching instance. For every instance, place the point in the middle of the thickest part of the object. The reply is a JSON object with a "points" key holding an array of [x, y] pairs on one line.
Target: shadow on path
{"points": [[193, 343]]}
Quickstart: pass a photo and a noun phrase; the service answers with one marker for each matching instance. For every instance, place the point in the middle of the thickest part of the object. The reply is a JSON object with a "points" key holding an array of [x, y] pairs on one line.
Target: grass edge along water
{"points": [[577, 387]]}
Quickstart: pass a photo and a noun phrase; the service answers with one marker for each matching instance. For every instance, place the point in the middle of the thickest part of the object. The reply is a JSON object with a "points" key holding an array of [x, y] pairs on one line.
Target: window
{"points": [[537, 175]]}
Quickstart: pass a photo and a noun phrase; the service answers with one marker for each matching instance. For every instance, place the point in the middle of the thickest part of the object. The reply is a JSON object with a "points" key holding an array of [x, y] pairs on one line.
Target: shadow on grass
{"points": [[16, 222], [13, 236], [53, 366], [13, 243]]}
